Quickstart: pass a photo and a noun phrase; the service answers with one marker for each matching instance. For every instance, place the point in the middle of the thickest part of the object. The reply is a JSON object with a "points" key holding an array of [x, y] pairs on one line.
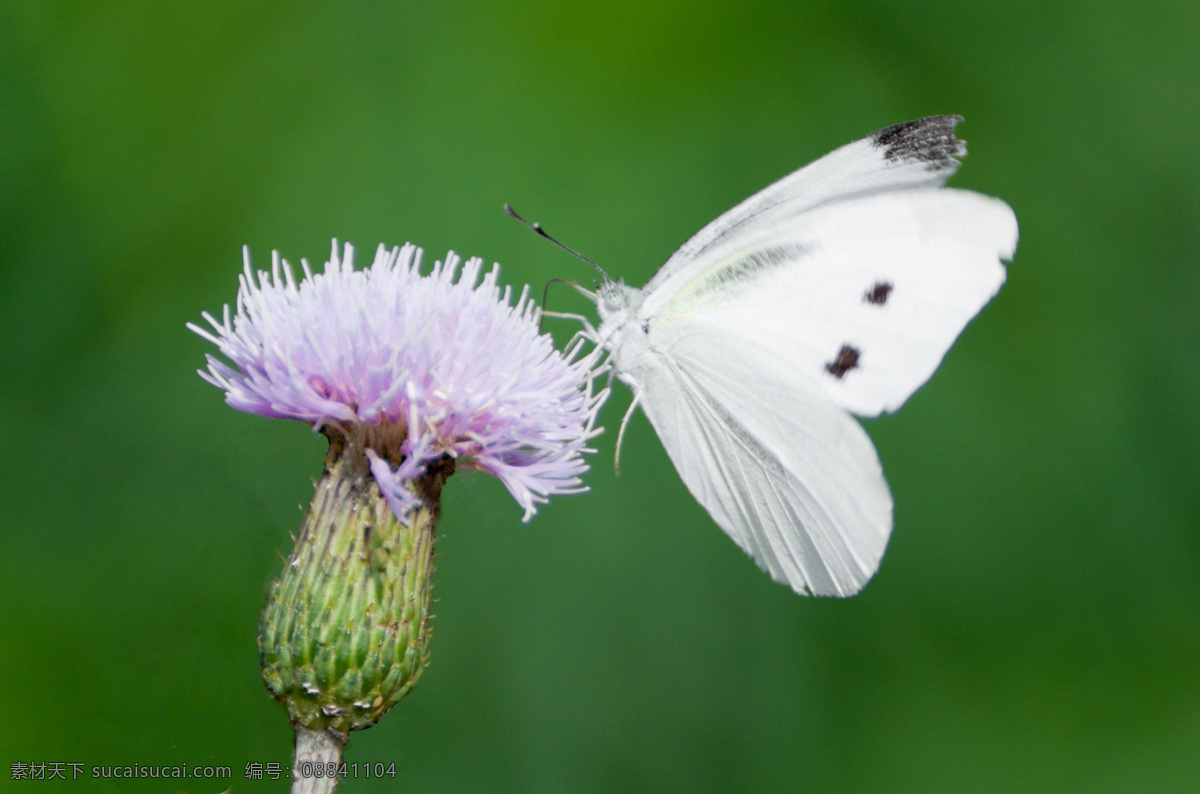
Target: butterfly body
{"points": [[835, 291]]}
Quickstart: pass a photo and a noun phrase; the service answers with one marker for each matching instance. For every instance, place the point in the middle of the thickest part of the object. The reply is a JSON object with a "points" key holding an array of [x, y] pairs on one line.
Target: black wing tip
{"points": [[930, 140]]}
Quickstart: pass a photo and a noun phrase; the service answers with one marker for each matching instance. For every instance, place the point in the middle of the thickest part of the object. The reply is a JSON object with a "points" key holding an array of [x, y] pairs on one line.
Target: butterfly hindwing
{"points": [[791, 478]]}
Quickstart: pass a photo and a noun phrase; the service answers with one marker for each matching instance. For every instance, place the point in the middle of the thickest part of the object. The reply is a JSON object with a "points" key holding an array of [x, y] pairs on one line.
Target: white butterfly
{"points": [[836, 290]]}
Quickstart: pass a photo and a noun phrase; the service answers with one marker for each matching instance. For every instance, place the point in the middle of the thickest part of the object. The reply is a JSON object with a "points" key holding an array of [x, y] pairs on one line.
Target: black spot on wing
{"points": [[930, 140], [847, 359], [878, 294]]}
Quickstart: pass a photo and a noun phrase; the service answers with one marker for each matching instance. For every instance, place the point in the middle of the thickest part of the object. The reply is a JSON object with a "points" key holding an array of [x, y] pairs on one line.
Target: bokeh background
{"points": [[1036, 622]]}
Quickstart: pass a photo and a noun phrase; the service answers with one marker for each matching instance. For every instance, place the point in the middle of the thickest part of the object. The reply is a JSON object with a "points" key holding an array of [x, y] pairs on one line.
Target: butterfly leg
{"points": [[587, 324], [637, 396]]}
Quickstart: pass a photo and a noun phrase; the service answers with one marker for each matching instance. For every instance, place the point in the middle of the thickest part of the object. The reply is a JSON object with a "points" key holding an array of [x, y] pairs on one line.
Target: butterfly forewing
{"points": [[864, 296], [919, 153]]}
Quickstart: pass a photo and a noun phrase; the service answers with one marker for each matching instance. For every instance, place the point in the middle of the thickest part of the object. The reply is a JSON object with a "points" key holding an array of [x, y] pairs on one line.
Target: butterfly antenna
{"points": [[537, 229]]}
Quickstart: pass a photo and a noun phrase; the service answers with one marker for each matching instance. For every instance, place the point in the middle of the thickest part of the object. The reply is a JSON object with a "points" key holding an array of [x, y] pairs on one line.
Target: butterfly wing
{"points": [[919, 153], [791, 478], [840, 288], [863, 296]]}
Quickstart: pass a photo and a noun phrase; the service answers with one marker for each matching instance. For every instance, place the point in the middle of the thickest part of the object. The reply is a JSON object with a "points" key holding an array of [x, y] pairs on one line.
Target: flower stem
{"points": [[316, 750]]}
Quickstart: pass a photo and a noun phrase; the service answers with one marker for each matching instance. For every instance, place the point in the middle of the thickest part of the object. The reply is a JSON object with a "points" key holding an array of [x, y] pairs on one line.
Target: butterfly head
{"points": [[617, 297]]}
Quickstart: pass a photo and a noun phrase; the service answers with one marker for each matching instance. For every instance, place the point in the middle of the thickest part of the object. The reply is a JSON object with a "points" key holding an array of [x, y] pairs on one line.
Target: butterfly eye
{"points": [[614, 299]]}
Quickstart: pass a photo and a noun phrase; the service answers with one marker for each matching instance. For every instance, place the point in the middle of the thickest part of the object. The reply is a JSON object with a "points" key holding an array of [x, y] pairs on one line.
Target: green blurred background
{"points": [[1036, 622]]}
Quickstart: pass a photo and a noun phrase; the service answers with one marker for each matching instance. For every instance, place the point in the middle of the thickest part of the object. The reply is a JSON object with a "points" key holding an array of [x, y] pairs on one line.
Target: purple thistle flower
{"points": [[410, 369]]}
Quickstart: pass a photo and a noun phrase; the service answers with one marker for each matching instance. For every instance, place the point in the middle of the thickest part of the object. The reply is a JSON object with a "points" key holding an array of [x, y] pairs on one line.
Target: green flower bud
{"points": [[345, 631]]}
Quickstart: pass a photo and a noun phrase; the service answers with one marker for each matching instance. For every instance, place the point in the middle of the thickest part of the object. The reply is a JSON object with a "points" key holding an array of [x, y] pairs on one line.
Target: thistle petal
{"points": [[421, 366]]}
